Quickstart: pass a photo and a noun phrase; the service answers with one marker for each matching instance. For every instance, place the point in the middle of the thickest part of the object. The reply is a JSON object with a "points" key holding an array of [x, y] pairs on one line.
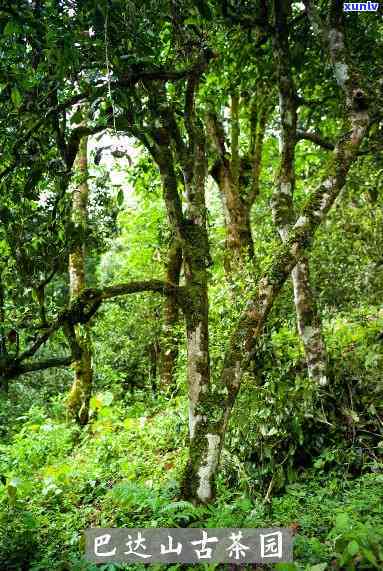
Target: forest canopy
{"points": [[191, 274]]}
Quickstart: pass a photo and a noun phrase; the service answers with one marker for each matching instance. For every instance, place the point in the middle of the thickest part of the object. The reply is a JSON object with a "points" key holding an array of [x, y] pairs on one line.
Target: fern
{"points": [[181, 505]]}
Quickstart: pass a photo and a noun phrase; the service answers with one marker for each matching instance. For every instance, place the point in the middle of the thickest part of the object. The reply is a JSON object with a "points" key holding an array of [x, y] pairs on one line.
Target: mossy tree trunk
{"points": [[169, 341], [182, 149], [80, 393], [198, 481], [308, 318], [237, 176]]}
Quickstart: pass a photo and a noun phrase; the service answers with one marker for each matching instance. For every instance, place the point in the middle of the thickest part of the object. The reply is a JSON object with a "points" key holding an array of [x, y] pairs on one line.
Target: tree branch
{"points": [[328, 145], [82, 308], [95, 91], [259, 120], [42, 365], [217, 136], [315, 138]]}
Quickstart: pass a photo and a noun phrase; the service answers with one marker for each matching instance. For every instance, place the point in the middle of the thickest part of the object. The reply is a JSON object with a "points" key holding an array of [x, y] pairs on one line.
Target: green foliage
{"points": [[58, 482], [348, 266], [357, 545], [293, 424], [295, 454], [123, 470]]}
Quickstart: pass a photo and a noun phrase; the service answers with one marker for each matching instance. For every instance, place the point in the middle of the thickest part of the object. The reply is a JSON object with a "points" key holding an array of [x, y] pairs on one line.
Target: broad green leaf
{"points": [[120, 197], [342, 521], [16, 97], [11, 28], [353, 548]]}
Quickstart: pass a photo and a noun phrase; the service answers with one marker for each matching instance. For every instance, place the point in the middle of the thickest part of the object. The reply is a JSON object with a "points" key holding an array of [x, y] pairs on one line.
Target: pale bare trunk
{"points": [[309, 324]]}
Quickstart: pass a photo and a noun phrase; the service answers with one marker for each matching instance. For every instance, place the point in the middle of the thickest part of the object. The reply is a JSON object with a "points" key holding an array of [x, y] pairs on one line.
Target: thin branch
{"points": [[180, 146], [328, 145], [50, 276], [157, 286], [259, 121], [315, 138]]}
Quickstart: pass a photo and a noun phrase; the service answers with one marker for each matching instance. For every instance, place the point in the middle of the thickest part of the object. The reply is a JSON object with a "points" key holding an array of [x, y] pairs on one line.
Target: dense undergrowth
{"points": [[286, 463]]}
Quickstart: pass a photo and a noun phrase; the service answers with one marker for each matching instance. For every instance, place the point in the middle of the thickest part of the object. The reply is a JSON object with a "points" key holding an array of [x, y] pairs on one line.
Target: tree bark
{"points": [[309, 324], [198, 479], [238, 178], [80, 393], [239, 244], [308, 318], [169, 342]]}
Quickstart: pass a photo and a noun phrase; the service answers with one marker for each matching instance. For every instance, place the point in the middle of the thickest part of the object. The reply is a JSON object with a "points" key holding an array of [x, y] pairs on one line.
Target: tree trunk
{"points": [[190, 228], [309, 324], [238, 177], [308, 318], [169, 342], [198, 479], [239, 244], [80, 393]]}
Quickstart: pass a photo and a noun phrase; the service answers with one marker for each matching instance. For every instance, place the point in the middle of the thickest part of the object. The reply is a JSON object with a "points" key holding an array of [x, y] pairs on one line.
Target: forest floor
{"points": [[123, 471]]}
